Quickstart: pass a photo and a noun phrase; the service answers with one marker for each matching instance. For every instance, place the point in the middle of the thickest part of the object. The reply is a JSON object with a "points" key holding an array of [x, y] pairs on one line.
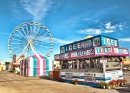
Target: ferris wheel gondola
{"points": [[30, 38]]}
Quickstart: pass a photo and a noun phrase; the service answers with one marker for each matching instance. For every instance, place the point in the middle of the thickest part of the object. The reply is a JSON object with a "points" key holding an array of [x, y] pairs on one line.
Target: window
{"points": [[113, 63]]}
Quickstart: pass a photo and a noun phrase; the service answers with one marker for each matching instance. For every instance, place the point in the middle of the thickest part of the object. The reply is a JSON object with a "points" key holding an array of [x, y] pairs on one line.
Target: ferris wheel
{"points": [[30, 38]]}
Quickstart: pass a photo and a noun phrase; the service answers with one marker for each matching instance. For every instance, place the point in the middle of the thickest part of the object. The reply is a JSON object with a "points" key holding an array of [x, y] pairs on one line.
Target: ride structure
{"points": [[91, 60], [30, 38], [25, 42]]}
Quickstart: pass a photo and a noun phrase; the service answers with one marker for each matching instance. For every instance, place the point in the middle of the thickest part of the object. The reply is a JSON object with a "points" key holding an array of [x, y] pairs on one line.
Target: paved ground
{"points": [[12, 83]]}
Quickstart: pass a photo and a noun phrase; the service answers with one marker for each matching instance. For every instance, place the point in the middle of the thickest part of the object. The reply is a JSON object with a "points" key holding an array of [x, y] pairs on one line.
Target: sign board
{"points": [[89, 77], [114, 75], [96, 41], [82, 53], [107, 41], [57, 56], [103, 50], [68, 75], [89, 43]]}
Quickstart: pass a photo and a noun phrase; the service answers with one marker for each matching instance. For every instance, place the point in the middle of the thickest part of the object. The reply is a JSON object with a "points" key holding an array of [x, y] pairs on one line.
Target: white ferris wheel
{"points": [[30, 38]]}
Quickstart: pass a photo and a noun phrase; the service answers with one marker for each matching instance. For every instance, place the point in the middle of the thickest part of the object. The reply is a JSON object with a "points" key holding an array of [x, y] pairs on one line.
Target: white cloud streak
{"points": [[125, 39], [109, 28], [90, 31], [56, 40], [105, 28], [37, 8]]}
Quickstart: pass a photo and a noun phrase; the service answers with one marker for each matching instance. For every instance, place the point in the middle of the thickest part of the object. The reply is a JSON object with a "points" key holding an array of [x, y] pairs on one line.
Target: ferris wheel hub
{"points": [[30, 42]]}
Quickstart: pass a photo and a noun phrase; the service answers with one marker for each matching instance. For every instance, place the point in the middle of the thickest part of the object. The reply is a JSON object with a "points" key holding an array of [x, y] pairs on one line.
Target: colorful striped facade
{"points": [[36, 65]]}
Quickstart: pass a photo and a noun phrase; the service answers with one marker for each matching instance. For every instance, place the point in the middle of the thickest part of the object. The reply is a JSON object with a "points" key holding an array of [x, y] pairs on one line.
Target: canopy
{"points": [[36, 65]]}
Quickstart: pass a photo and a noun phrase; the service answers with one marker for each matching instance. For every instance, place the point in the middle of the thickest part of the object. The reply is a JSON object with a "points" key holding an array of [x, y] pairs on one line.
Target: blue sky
{"points": [[67, 20]]}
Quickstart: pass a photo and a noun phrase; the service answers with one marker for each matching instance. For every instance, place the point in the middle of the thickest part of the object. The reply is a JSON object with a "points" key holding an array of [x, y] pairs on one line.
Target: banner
{"points": [[103, 50], [96, 41], [105, 41]]}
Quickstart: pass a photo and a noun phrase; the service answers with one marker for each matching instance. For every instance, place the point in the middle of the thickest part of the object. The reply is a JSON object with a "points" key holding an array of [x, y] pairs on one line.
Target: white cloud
{"points": [[109, 26], [104, 28], [108, 31], [125, 39], [90, 31], [61, 41], [37, 8], [121, 26]]}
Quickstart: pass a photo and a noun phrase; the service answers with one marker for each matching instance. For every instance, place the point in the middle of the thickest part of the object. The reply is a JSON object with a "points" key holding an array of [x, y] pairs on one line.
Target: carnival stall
{"points": [[91, 60], [36, 65]]}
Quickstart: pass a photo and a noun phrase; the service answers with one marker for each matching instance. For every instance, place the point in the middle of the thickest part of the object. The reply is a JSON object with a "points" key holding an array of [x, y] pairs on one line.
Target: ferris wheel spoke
{"points": [[36, 51], [22, 42], [19, 36], [42, 35], [31, 30], [18, 50], [38, 42], [23, 50], [37, 32], [42, 46], [23, 35], [33, 50], [26, 26], [41, 39], [14, 39], [19, 40], [15, 48]]}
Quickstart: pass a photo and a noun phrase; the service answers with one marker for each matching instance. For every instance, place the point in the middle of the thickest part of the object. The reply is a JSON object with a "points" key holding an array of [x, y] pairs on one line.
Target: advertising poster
{"points": [[89, 77], [96, 41], [57, 56], [115, 43], [116, 50], [61, 56], [69, 47], [88, 43], [68, 75], [74, 54], [114, 75], [108, 43], [80, 53], [103, 50], [112, 42], [105, 41], [89, 51], [123, 51], [66, 55], [62, 49]]}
